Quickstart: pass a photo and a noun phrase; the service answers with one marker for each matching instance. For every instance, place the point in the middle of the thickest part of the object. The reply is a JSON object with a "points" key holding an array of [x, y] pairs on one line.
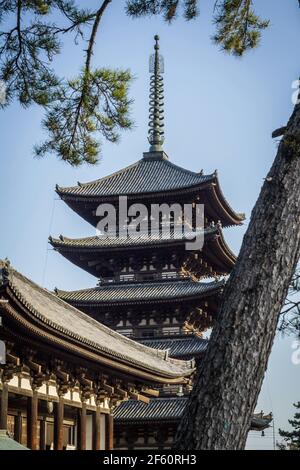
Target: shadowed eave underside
{"points": [[83, 251]]}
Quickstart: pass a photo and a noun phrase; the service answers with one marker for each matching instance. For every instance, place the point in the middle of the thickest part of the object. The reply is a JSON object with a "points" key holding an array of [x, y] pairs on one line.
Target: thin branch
{"points": [[89, 53]]}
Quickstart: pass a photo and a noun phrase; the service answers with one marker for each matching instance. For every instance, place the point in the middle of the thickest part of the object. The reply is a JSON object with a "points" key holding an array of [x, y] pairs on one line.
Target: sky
{"points": [[220, 112]]}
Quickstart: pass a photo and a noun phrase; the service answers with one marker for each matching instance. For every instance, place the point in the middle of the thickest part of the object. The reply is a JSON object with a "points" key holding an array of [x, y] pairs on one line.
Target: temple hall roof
{"points": [[46, 316]]}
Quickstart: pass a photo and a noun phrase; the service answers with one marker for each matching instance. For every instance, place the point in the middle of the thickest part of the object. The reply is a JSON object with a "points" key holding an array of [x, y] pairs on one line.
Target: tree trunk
{"points": [[230, 377]]}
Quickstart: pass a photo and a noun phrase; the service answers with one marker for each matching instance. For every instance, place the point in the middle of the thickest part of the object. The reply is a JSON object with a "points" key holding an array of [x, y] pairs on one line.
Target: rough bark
{"points": [[230, 377]]}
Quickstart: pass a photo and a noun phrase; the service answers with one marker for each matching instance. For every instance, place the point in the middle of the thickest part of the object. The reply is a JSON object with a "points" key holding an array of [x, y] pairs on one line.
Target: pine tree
{"points": [[292, 438], [96, 102], [230, 376]]}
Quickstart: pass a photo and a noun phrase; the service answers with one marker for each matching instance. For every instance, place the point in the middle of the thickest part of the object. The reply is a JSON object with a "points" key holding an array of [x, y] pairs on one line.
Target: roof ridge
{"points": [[125, 284], [115, 173]]}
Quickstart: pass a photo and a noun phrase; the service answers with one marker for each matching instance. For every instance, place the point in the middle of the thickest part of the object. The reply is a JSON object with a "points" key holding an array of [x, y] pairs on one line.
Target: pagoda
{"points": [[149, 286]]}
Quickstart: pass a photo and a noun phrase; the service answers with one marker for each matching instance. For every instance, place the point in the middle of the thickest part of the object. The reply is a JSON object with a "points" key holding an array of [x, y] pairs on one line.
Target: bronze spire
{"points": [[156, 108]]}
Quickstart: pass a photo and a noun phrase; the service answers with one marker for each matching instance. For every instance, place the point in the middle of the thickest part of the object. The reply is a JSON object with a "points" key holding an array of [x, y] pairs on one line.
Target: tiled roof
{"points": [[188, 345], [55, 315], [144, 176], [126, 292], [144, 239], [166, 409]]}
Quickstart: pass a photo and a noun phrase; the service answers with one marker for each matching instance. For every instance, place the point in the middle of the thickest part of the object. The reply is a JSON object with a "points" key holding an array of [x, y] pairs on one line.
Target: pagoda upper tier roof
{"points": [[151, 177], [168, 409], [45, 317], [145, 176], [138, 292]]}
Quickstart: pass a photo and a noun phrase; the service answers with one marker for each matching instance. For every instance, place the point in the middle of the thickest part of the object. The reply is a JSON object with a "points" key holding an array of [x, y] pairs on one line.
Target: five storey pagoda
{"points": [[150, 287]]}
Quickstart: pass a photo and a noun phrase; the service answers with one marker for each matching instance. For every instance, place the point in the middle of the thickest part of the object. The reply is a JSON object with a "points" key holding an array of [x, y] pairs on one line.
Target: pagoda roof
{"points": [[46, 317], [167, 409], [139, 292], [143, 240], [150, 178], [179, 346], [144, 176], [84, 252]]}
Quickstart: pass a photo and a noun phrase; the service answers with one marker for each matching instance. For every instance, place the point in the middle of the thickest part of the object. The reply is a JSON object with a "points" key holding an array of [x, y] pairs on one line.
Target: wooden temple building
{"points": [[63, 373]]}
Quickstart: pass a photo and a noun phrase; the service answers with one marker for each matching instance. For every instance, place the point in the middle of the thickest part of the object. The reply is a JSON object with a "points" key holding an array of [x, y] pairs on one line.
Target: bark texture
{"points": [[230, 377]]}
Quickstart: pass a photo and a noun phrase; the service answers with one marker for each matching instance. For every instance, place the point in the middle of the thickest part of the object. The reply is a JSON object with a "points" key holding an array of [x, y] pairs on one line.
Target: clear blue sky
{"points": [[220, 112]]}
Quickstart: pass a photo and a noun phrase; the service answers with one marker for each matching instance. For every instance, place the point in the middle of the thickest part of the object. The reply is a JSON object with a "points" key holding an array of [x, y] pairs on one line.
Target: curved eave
{"points": [[232, 217], [213, 197], [97, 245], [80, 299], [220, 253]]}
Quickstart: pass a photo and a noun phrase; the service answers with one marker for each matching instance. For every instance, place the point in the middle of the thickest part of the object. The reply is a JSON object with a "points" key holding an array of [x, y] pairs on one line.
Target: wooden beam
{"points": [[32, 421], [43, 434], [13, 359], [151, 392], [108, 388], [18, 420], [59, 424], [37, 368], [139, 397], [4, 406], [97, 429], [120, 392], [81, 427], [109, 432]]}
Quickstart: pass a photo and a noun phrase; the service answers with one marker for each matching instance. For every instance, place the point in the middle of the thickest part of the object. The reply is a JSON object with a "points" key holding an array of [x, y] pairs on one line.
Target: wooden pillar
{"points": [[109, 432], [18, 427], [97, 429], [81, 427], [43, 434], [4, 406], [59, 424], [32, 421]]}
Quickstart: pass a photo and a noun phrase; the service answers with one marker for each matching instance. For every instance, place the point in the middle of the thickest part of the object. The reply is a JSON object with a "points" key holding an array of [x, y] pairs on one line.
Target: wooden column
{"points": [[97, 429], [4, 406], [32, 421], [59, 424], [43, 434], [18, 428], [109, 432], [81, 427]]}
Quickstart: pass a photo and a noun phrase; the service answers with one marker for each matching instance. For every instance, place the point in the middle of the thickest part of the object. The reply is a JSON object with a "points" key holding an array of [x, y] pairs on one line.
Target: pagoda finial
{"points": [[156, 108]]}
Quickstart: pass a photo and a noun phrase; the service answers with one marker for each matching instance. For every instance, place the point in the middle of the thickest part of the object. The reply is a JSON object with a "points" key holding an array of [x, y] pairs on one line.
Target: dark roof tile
{"points": [[188, 345], [144, 176], [128, 292]]}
